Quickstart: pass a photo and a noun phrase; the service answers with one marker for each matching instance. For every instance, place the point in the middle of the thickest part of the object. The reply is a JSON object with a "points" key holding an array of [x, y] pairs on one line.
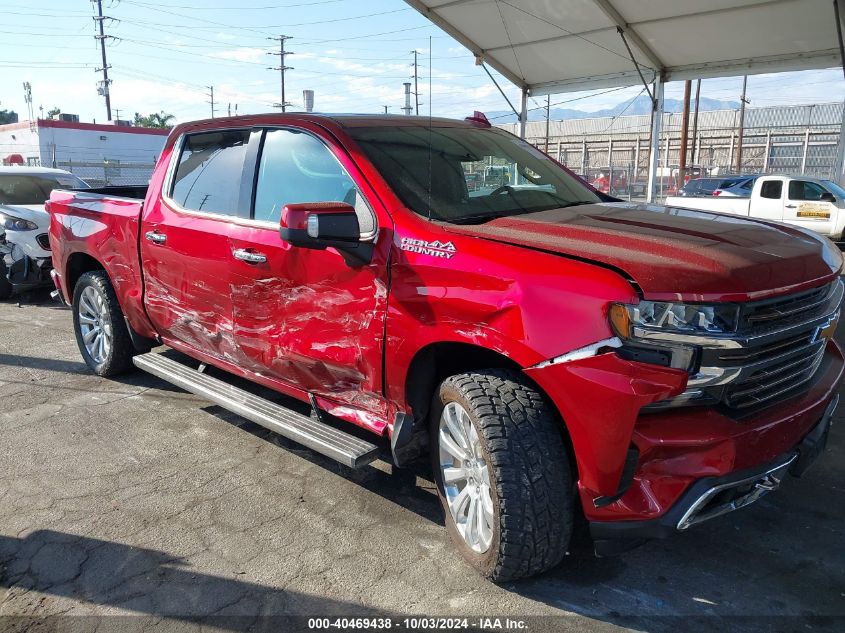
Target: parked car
{"points": [[706, 186], [810, 203], [554, 355], [24, 245], [740, 189]]}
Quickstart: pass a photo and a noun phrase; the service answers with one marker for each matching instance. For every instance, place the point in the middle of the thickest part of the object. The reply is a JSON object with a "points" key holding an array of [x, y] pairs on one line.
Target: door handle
{"points": [[155, 237], [790, 206], [250, 257]]}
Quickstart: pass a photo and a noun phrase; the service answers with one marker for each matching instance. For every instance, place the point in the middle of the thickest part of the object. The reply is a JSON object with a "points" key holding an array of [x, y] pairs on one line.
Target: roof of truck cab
{"points": [[343, 120]]}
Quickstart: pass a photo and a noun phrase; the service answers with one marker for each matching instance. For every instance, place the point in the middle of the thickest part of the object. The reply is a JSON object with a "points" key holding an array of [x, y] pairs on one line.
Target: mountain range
{"points": [[640, 105]]}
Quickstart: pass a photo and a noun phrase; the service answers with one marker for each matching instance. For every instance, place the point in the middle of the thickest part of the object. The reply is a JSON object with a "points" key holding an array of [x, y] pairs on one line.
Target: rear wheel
{"points": [[99, 326], [502, 474]]}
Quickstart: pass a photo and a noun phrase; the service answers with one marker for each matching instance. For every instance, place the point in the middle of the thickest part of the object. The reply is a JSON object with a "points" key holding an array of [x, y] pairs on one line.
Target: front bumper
{"points": [[712, 497], [669, 452]]}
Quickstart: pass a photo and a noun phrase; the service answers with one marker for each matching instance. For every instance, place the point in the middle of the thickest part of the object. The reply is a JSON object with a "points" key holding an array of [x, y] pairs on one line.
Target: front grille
{"points": [[43, 241], [782, 347], [781, 310], [775, 379]]}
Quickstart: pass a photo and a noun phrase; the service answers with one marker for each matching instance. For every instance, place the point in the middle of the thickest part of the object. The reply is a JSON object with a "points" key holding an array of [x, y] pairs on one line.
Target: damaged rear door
{"points": [[304, 316]]}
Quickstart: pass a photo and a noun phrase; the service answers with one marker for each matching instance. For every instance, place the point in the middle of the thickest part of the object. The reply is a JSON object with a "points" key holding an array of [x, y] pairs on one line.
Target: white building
{"points": [[98, 153]]}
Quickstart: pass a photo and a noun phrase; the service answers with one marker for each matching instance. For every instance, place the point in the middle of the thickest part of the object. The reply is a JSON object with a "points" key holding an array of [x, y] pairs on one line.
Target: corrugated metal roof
{"points": [[569, 45]]}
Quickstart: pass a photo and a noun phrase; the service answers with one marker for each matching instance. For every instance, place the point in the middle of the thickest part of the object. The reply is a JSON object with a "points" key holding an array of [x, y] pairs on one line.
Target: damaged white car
{"points": [[25, 261]]}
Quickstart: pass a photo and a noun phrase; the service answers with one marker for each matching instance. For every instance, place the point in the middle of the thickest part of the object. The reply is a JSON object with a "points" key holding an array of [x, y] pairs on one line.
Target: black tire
{"points": [[5, 284], [531, 481], [119, 358]]}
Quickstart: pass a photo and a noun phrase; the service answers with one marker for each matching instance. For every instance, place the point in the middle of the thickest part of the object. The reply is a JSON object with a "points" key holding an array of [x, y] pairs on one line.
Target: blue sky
{"points": [[355, 54]]}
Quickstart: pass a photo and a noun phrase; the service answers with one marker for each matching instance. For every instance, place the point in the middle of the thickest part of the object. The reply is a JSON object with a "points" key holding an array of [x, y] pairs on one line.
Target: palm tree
{"points": [[156, 119]]}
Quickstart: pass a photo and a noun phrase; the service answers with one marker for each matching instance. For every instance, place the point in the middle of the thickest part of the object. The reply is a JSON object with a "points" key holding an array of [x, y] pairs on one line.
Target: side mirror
{"points": [[321, 225], [827, 197]]}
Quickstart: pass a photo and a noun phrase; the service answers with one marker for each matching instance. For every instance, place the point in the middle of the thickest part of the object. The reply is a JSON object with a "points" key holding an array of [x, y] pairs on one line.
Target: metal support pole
{"points": [[559, 155], [523, 113], [682, 156], [731, 154], [636, 173], [768, 151], [548, 114], [804, 152], [584, 158], [839, 162], [654, 143], [742, 102]]}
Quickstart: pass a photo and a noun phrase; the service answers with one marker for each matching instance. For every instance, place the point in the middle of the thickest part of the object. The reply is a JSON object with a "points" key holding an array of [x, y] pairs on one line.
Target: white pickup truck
{"points": [[812, 203]]}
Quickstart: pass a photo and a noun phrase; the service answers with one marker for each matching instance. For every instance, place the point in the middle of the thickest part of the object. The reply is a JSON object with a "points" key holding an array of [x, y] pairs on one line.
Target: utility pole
{"points": [[282, 67], [548, 111], [407, 108], [682, 167], [416, 89], [742, 102], [385, 109], [106, 82], [117, 114], [695, 122], [210, 94]]}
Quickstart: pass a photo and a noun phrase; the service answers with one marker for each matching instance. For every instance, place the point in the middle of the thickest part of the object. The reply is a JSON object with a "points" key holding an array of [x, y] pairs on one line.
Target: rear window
{"points": [[771, 189], [34, 189], [210, 170]]}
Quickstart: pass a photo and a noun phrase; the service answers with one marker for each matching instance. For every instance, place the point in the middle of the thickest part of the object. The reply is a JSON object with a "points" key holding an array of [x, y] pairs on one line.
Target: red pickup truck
{"points": [[554, 353]]}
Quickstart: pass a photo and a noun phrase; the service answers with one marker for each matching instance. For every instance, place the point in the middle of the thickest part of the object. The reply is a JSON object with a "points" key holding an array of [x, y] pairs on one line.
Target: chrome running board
{"points": [[326, 440]]}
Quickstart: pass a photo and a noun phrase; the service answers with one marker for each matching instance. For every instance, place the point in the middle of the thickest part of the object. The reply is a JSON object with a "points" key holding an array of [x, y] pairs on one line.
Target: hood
{"points": [[32, 212], [673, 253]]}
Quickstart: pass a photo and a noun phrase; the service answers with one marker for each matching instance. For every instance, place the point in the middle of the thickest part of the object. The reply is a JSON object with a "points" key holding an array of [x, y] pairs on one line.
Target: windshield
{"points": [[468, 175], [835, 189], [35, 189]]}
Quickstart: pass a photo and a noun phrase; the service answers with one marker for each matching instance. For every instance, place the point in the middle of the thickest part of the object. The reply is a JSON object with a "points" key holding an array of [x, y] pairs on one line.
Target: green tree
{"points": [[54, 113], [156, 119], [8, 116]]}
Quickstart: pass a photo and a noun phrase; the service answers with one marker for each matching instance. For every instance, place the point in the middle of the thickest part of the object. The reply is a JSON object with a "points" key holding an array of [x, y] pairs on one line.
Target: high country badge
{"points": [[445, 250]]}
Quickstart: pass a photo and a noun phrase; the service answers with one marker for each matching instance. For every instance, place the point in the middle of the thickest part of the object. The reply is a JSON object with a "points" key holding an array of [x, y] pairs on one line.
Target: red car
{"points": [[551, 353]]}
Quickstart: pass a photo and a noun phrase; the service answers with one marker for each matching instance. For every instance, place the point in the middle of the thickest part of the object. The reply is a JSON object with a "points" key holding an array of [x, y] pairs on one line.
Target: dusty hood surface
{"points": [[672, 252]]}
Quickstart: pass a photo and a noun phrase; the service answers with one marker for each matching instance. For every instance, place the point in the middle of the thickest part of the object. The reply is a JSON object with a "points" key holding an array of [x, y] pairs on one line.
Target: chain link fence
{"points": [[109, 172], [784, 139]]}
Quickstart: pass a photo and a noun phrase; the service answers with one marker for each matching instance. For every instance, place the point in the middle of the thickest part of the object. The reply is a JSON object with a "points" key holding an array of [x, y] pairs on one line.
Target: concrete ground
{"points": [[129, 497]]}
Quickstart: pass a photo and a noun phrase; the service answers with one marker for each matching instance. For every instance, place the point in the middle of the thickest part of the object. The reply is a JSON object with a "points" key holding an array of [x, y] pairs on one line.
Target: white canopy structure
{"points": [[553, 46]]}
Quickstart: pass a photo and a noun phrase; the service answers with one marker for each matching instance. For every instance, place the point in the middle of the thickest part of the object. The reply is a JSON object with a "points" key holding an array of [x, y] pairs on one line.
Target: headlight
{"points": [[12, 223], [681, 318]]}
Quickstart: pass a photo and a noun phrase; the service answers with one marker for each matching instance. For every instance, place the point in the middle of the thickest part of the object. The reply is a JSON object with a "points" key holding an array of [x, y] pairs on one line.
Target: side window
{"points": [[208, 176], [298, 167], [771, 189], [748, 185], [804, 190]]}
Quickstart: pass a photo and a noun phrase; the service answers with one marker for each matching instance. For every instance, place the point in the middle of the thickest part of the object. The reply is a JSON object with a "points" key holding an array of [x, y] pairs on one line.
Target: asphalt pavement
{"points": [[132, 498]]}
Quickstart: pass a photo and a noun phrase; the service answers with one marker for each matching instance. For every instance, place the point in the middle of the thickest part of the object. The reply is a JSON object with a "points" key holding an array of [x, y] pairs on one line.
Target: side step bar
{"points": [[326, 440]]}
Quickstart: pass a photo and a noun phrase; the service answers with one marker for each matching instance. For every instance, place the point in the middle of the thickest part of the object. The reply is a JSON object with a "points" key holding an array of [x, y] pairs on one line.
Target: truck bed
{"points": [[118, 191]]}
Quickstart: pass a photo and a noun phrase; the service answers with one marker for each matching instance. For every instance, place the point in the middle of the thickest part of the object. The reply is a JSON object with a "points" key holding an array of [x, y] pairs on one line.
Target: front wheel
{"points": [[502, 474], [101, 333]]}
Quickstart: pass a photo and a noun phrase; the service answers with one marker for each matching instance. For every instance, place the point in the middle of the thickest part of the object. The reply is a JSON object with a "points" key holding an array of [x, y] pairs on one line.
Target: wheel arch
{"points": [[77, 265], [437, 361]]}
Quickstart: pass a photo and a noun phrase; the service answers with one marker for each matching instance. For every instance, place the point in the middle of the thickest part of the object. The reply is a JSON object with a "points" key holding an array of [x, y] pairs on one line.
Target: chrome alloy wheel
{"points": [[95, 324], [466, 478]]}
